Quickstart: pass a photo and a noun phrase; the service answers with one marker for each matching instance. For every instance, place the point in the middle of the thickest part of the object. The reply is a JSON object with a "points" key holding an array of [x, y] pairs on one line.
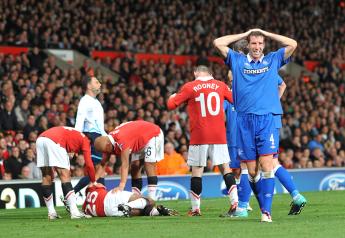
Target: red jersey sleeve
{"points": [[87, 157], [228, 94], [181, 97]]}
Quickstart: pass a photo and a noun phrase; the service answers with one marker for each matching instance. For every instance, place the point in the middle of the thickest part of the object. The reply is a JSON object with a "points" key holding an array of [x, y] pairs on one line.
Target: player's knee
{"points": [[196, 185], [135, 168]]}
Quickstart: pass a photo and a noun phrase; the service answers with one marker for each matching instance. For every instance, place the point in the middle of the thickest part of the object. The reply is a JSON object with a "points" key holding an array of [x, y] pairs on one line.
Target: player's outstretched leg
{"points": [[164, 211], [298, 200]]}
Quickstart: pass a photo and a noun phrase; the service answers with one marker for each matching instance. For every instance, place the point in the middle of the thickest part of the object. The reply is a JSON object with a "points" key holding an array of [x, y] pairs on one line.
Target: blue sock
{"points": [[267, 191], [101, 180], [244, 190], [83, 182], [256, 185], [285, 179]]}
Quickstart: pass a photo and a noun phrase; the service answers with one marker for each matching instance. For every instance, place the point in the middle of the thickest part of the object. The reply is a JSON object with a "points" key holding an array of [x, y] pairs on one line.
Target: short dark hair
{"points": [[255, 33], [84, 82], [203, 68]]}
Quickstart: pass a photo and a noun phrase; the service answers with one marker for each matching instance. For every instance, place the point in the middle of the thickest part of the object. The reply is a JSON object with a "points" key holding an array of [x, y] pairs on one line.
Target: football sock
{"points": [[152, 186], [83, 182], [101, 180], [154, 212], [195, 191], [48, 198], [286, 180], [244, 190], [267, 190], [230, 183], [69, 194], [256, 186], [139, 203], [137, 185]]}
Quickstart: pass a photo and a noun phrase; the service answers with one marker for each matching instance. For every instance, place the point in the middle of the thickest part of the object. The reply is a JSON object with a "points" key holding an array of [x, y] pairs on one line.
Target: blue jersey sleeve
{"points": [[279, 55], [231, 59]]}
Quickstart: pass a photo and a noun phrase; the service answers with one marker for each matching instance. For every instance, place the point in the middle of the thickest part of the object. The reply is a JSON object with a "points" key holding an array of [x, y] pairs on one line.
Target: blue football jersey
{"points": [[231, 126], [255, 83]]}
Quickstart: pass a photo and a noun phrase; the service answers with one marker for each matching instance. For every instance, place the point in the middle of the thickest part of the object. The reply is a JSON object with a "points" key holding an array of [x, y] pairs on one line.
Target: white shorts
{"points": [[50, 154], [153, 151], [112, 200], [198, 154]]}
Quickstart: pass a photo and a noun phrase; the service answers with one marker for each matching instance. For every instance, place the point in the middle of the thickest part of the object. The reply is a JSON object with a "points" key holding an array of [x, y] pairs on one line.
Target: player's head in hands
{"points": [[256, 44]]}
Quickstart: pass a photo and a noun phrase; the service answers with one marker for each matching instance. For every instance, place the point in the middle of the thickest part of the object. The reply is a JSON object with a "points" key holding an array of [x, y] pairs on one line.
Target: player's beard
{"points": [[96, 91]]}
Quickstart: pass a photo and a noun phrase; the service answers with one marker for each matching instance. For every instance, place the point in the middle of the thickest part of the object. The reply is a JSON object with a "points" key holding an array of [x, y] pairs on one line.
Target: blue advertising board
{"points": [[177, 187]]}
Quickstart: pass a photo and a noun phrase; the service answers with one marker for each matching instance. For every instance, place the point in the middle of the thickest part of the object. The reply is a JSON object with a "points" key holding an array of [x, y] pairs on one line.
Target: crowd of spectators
{"points": [[171, 27], [35, 94]]}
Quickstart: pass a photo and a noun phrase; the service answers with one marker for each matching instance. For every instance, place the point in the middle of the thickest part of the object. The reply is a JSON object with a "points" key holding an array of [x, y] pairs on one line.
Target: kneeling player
{"points": [[116, 203]]}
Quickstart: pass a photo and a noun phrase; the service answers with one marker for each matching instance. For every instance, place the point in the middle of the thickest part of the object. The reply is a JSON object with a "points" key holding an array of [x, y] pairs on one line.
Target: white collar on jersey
{"points": [[204, 78], [250, 59], [111, 140]]}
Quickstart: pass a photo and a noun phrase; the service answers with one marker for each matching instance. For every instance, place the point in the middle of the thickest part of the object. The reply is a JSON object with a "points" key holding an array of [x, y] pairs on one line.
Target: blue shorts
{"points": [[95, 155], [257, 135], [278, 122], [235, 163]]}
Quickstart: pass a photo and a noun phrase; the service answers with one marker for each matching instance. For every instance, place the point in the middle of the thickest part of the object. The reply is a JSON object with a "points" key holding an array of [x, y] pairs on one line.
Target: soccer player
{"points": [[141, 140], [53, 148], [256, 100], [204, 97], [90, 121], [101, 203]]}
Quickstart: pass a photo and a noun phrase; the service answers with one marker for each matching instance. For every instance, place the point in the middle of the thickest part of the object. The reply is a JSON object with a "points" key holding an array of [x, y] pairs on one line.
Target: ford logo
{"points": [[333, 182], [168, 191]]}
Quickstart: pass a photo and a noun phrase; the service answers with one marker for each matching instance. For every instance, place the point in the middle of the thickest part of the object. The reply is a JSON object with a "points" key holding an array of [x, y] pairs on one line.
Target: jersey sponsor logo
{"points": [[334, 181], [168, 191], [205, 85], [256, 71]]}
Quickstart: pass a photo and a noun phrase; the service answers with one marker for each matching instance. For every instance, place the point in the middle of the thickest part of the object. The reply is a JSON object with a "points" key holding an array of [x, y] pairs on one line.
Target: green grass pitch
{"points": [[323, 216]]}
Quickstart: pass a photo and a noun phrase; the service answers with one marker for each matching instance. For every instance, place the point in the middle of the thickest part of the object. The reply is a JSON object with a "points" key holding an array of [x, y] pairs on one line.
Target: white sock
{"points": [[152, 191], [71, 201], [233, 195], [195, 200], [135, 190], [139, 203], [50, 204], [154, 212]]}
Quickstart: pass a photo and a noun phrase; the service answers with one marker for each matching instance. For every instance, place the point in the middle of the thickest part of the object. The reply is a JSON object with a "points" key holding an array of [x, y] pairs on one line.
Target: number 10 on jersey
{"points": [[208, 104]]}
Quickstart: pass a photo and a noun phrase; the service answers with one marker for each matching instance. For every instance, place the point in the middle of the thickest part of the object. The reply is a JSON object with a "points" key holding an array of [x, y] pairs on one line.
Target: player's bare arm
{"points": [[222, 43], [281, 89], [124, 169], [290, 44]]}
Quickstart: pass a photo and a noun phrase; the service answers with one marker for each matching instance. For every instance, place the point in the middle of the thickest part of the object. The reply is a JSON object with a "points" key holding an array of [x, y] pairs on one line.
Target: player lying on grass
{"points": [[116, 203]]}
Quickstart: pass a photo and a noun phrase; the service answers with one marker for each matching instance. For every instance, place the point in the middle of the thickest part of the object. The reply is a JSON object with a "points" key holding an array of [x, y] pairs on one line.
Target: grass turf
{"points": [[323, 216]]}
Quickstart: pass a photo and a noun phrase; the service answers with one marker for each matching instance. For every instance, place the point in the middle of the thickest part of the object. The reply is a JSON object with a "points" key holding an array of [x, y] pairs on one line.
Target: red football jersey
{"points": [[205, 97], [94, 202], [133, 135], [73, 141]]}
